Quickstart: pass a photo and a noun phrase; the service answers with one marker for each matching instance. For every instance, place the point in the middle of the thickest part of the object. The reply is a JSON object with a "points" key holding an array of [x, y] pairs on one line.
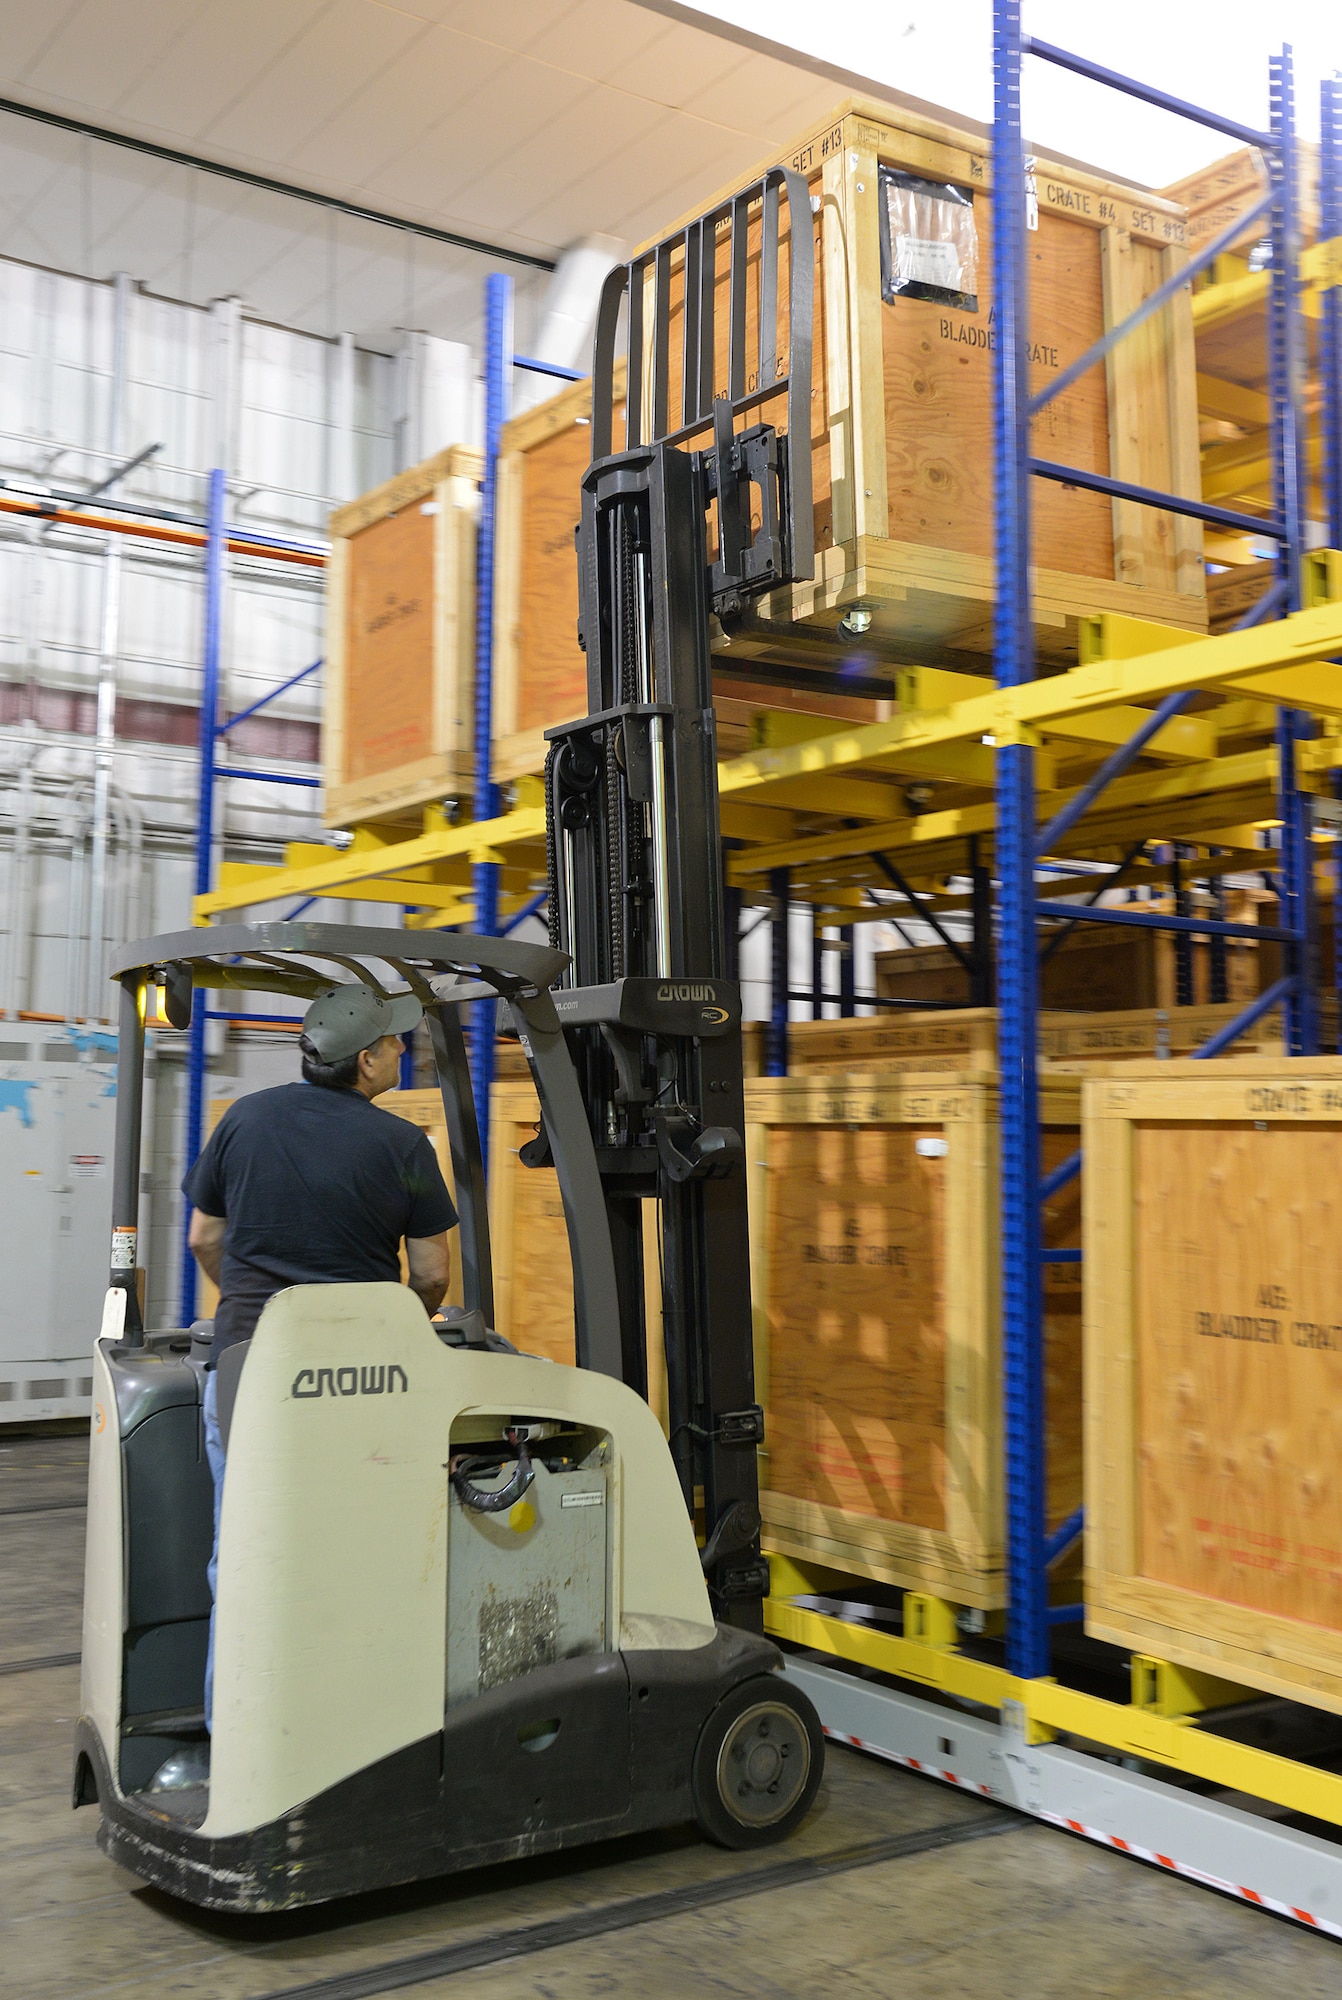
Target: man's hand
{"points": [[430, 1263], [205, 1240]]}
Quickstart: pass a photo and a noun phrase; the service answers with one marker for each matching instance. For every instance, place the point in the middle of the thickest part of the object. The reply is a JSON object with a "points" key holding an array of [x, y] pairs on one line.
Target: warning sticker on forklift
{"points": [[596, 1499]]}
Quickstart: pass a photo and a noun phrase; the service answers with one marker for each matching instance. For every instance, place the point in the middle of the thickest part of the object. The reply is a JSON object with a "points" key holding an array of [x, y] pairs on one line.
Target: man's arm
{"points": [[205, 1239], [429, 1259]]}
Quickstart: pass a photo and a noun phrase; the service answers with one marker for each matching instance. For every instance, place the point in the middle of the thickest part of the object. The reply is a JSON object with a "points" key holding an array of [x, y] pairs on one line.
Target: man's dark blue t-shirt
{"points": [[317, 1188]]}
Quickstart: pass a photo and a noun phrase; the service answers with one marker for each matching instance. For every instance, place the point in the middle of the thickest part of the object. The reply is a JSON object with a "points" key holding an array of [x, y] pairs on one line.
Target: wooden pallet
{"points": [[874, 1262], [1213, 1346], [400, 641]]}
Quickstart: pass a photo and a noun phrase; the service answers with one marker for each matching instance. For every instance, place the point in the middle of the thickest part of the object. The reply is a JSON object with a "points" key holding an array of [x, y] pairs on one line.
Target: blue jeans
{"points": [[214, 1452]]}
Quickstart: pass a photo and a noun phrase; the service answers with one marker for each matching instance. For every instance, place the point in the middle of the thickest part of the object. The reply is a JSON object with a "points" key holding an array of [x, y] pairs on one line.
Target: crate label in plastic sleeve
{"points": [[921, 262]]}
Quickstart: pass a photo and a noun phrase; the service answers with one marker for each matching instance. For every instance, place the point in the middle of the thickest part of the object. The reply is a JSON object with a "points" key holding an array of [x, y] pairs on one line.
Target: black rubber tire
{"points": [[768, 1724]]}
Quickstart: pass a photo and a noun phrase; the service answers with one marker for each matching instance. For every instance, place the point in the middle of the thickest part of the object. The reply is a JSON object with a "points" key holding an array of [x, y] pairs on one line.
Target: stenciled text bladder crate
{"points": [[874, 1260], [1213, 1368]]}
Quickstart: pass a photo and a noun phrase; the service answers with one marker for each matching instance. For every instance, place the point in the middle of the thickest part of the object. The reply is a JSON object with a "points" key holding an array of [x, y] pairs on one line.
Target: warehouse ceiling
{"points": [[526, 123]]}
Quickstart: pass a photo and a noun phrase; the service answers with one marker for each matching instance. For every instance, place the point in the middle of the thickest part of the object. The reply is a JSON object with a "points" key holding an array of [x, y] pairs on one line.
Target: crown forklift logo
{"points": [[692, 990], [349, 1382]]}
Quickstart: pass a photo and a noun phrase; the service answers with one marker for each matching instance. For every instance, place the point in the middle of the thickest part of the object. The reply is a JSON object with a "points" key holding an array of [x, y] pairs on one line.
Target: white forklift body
{"points": [[461, 1612]]}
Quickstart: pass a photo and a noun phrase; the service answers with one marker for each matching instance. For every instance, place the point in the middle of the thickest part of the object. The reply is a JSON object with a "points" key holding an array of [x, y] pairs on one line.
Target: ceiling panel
{"points": [[528, 124], [678, 68], [98, 53], [25, 30], [226, 50], [510, 24], [598, 36], [370, 130], [531, 122], [330, 65]]}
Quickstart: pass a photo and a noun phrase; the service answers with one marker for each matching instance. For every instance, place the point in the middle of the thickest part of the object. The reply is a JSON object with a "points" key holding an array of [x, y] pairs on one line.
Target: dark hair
{"points": [[328, 1075]]}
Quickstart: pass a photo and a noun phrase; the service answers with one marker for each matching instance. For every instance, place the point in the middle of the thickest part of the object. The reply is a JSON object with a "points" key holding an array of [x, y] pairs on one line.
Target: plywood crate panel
{"points": [[400, 641], [1213, 1354], [966, 1038], [874, 1204], [533, 1270], [533, 1274]]}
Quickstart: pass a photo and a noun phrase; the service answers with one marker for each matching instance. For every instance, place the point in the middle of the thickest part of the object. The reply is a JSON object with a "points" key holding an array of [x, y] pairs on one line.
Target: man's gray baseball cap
{"points": [[354, 1017]]}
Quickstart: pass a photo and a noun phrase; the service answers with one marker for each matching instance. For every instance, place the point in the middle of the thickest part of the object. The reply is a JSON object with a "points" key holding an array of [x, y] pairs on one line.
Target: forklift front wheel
{"points": [[757, 1764]]}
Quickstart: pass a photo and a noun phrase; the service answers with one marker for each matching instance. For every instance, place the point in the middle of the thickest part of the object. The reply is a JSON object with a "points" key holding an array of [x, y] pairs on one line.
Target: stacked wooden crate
{"points": [[1230, 316], [398, 719], [965, 1038], [533, 1274], [1102, 966], [874, 1263], [1213, 1374], [901, 434], [1217, 196], [533, 1268]]}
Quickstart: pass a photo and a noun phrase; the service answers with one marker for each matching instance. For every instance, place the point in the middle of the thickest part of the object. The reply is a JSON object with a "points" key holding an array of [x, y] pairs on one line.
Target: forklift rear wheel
{"points": [[757, 1764]]}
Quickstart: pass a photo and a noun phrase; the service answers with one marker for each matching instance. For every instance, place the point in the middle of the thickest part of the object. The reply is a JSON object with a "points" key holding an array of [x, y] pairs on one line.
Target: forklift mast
{"points": [[690, 521]]}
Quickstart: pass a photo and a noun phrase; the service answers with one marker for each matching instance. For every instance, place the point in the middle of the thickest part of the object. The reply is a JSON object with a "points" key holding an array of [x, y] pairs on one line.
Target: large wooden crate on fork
{"points": [[1213, 1369], [874, 1262], [901, 413]]}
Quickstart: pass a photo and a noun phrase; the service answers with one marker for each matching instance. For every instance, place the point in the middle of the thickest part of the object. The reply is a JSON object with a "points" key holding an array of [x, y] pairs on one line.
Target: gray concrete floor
{"points": [[1022, 1912]]}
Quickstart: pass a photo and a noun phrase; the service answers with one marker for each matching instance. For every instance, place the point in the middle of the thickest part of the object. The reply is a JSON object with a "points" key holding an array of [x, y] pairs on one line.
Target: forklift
{"points": [[473, 1605]]}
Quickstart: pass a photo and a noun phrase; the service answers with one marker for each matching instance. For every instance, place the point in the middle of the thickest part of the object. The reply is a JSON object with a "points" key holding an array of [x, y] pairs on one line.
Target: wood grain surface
{"points": [[389, 645], [857, 1334], [1238, 1238]]}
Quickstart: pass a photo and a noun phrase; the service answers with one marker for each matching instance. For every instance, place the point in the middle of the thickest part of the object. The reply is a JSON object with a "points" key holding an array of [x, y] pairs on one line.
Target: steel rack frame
{"points": [[976, 1724]]}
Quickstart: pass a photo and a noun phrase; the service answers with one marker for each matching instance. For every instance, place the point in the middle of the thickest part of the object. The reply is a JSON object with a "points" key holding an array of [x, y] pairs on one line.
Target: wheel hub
{"points": [[763, 1764]]}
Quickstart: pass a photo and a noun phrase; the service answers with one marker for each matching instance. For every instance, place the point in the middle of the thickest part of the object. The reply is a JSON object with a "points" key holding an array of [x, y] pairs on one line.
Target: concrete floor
{"points": [[1011, 1909]]}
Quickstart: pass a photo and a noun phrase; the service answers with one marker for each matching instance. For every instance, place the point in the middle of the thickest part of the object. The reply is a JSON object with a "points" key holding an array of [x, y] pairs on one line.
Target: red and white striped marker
{"points": [[1166, 1861]]}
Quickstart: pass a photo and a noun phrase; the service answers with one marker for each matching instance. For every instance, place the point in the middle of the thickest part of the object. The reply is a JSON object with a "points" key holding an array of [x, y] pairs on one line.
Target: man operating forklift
{"points": [[306, 1184]]}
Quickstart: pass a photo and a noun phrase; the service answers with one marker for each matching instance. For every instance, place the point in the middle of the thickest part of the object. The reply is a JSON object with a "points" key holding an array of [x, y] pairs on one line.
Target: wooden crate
{"points": [[533, 1271], [1100, 967], [400, 641], [1213, 1369], [540, 671], [956, 1039], [1216, 196], [874, 1260], [902, 397], [902, 433], [533, 1275]]}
